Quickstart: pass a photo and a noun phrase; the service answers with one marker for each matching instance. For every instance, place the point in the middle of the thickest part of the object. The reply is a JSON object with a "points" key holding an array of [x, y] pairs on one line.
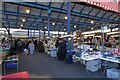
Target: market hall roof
{"points": [[82, 14]]}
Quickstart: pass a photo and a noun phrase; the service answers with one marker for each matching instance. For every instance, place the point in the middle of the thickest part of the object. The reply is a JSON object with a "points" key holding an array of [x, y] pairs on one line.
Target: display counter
{"points": [[94, 59]]}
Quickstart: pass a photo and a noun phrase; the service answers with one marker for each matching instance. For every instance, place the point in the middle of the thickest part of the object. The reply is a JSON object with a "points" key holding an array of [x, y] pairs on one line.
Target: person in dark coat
{"points": [[35, 43], [57, 43], [61, 50], [41, 47]]}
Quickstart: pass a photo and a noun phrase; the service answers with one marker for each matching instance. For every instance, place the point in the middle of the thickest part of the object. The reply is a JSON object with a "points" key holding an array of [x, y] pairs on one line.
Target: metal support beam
{"points": [[68, 19], [39, 6]]}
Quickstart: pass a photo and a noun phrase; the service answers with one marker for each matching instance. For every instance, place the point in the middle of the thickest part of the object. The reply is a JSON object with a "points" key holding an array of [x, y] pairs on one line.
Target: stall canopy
{"points": [[34, 15]]}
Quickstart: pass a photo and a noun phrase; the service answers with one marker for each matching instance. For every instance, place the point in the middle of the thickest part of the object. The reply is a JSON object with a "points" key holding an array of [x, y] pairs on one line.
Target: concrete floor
{"points": [[41, 65]]}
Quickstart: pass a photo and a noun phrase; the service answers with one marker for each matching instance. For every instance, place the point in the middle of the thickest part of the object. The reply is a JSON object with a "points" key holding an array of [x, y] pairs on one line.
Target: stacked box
{"points": [[113, 73]]}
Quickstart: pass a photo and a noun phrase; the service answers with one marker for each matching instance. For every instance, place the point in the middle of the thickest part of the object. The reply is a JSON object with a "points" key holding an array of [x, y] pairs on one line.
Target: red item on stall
{"points": [[17, 76]]}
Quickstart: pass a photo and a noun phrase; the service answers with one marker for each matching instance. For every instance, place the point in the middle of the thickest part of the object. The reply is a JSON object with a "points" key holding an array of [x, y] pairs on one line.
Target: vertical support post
{"points": [[102, 31], [9, 35], [49, 12], [68, 18], [31, 34], [28, 33], [39, 34], [34, 33], [44, 33], [58, 33]]}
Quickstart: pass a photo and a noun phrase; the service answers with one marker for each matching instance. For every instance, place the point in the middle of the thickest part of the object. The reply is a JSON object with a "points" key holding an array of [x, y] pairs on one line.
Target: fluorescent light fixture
{"points": [[114, 29], [96, 31], [115, 36], [97, 36], [112, 33], [89, 35]]}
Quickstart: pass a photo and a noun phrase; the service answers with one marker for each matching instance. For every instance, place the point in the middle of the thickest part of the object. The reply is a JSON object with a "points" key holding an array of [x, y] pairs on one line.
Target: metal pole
{"points": [[39, 34], [102, 38], [34, 33], [49, 23], [58, 33], [68, 19], [28, 33]]}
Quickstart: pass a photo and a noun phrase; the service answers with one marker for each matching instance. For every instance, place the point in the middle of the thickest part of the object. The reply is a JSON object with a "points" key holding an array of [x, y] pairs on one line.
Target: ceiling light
{"points": [[91, 28], [65, 17], [53, 23], [110, 8], [91, 2], [28, 11], [23, 20], [92, 22], [97, 4], [104, 6], [109, 25], [88, 1], [85, 0], [100, 5], [21, 25], [45, 27], [75, 26], [94, 3], [64, 29]]}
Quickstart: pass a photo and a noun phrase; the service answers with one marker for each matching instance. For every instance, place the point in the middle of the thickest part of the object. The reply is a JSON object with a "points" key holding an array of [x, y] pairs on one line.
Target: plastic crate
{"points": [[11, 65], [113, 73]]}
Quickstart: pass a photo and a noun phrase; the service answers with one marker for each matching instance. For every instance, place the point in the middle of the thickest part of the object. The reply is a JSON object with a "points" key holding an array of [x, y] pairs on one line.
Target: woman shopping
{"points": [[31, 47]]}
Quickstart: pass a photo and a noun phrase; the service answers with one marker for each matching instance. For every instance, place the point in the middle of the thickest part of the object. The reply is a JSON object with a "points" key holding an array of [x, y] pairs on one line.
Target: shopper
{"points": [[69, 48], [31, 47], [19, 45], [57, 43], [41, 47], [25, 46], [35, 43]]}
